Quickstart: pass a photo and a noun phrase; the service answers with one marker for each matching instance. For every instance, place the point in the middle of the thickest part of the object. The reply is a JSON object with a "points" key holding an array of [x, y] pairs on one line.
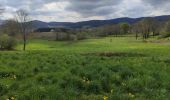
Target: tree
{"points": [[1, 11], [166, 30], [25, 26], [57, 35], [10, 27], [60, 34], [116, 29], [136, 28], [153, 25], [148, 25], [125, 27], [168, 27]]}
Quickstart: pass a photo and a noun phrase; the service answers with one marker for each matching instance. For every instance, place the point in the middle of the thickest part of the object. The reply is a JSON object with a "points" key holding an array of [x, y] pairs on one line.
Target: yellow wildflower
{"points": [[123, 84], [111, 90], [14, 77], [131, 95], [105, 97], [10, 98], [88, 82], [84, 80]]}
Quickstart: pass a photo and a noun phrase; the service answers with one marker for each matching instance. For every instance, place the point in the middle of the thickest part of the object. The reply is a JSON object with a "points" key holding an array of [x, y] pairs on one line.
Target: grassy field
{"points": [[94, 69]]}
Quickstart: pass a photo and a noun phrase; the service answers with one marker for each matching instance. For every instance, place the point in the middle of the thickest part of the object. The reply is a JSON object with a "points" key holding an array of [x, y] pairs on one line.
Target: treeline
{"points": [[21, 27], [143, 29]]}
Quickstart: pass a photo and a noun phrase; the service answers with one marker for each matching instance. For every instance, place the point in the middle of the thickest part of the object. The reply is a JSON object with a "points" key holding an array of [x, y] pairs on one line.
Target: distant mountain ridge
{"points": [[93, 23]]}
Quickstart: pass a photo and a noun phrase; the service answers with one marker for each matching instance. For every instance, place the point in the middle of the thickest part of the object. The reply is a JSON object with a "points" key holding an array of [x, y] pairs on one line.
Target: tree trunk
{"points": [[154, 33], [24, 48], [56, 38], [136, 36]]}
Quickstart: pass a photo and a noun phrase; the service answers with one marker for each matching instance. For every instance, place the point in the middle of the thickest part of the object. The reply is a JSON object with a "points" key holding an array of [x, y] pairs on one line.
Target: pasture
{"points": [[111, 68]]}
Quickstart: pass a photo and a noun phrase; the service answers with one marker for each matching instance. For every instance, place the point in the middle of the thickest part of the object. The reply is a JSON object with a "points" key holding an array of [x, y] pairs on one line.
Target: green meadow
{"points": [[111, 68]]}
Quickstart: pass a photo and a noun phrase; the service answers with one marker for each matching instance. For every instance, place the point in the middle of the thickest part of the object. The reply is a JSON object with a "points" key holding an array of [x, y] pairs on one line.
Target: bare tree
{"points": [[166, 30], [148, 26], [10, 27], [1, 11], [137, 29], [25, 26], [116, 30], [57, 33]]}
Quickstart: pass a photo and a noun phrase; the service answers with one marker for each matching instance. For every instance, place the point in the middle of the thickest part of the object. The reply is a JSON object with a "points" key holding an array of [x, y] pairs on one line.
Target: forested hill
{"points": [[94, 23]]}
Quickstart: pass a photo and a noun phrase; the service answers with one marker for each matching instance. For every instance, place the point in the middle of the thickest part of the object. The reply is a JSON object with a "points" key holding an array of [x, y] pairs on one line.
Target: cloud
{"points": [[157, 3], [158, 7], [81, 10], [88, 8]]}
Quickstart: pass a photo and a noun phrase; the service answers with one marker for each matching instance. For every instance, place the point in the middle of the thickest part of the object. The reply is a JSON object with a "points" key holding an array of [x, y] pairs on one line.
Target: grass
{"points": [[93, 69]]}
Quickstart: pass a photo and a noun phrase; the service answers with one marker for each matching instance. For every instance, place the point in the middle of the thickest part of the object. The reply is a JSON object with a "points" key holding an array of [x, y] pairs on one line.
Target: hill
{"points": [[94, 23]]}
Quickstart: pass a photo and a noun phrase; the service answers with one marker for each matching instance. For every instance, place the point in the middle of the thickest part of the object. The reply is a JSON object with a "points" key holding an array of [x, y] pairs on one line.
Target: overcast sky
{"points": [[81, 10]]}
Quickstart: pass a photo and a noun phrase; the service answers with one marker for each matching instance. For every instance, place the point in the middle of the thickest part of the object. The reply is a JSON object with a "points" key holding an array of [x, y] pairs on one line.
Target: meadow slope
{"points": [[109, 68]]}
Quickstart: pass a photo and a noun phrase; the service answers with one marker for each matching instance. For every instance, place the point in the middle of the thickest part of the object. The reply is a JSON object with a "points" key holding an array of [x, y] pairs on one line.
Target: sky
{"points": [[83, 10]]}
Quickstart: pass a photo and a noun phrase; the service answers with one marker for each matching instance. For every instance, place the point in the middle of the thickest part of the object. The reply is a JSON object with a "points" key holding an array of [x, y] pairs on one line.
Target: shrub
{"points": [[166, 31], [7, 42], [82, 35], [165, 34]]}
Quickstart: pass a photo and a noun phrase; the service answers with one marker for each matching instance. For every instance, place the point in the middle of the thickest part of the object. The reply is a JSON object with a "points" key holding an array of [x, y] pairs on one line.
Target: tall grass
{"points": [[92, 69]]}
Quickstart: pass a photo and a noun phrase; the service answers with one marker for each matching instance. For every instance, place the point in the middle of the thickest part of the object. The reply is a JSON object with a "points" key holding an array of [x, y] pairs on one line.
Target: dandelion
{"points": [[88, 82], [12, 98], [131, 95], [14, 77], [84, 77], [123, 84], [7, 86], [84, 80], [111, 90], [105, 97]]}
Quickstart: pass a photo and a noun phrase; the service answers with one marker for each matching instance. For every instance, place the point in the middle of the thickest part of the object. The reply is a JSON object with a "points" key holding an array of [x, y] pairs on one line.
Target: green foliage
{"points": [[6, 42], [81, 35], [166, 31], [165, 34], [125, 27]]}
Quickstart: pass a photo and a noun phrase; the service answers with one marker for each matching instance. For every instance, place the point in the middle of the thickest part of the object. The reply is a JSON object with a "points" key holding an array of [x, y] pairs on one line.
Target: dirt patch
{"points": [[115, 54]]}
